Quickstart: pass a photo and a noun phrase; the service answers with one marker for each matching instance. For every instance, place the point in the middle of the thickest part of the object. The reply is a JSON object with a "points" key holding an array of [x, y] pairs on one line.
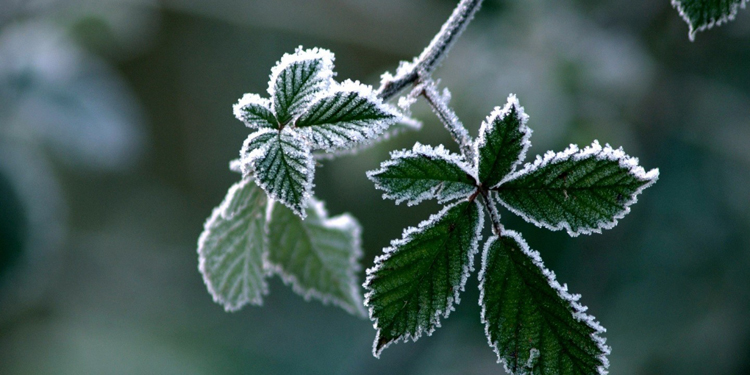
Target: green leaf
{"points": [[705, 14], [420, 277], [255, 112], [502, 143], [346, 117], [582, 191], [318, 256], [231, 247], [424, 173], [534, 325], [297, 78], [284, 167]]}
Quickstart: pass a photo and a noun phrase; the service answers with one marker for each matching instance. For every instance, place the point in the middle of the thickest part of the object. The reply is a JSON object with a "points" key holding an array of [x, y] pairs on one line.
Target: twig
{"points": [[408, 73], [449, 119]]}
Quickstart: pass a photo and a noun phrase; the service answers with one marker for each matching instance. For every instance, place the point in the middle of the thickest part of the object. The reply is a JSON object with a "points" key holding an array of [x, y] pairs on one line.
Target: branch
{"points": [[425, 64], [449, 119]]}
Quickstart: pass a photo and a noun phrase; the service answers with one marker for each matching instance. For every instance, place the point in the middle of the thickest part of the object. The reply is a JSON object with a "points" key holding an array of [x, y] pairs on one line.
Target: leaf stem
{"points": [[449, 119], [430, 58], [497, 227]]}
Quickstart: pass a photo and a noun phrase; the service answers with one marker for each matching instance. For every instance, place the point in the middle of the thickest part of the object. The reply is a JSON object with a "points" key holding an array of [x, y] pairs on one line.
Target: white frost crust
{"points": [[574, 153], [418, 150], [251, 100], [364, 133], [300, 54], [677, 4], [452, 300], [500, 114], [235, 165], [222, 213], [300, 150], [579, 310], [344, 222]]}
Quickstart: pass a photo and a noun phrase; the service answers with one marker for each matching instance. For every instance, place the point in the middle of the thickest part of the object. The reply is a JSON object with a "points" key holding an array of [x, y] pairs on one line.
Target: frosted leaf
{"points": [[346, 116], [531, 321], [502, 143], [253, 145], [582, 191], [235, 165], [255, 112], [420, 277], [296, 79], [402, 125], [705, 14], [318, 256], [231, 248], [284, 168], [424, 173]]}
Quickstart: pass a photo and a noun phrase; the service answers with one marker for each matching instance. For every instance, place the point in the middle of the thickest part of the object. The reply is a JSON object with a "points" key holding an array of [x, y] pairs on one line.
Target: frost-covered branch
{"points": [[449, 119], [408, 73]]}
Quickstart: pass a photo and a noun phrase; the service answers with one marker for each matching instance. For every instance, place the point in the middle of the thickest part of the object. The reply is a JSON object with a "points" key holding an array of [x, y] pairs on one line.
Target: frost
{"points": [[231, 248], [704, 14], [518, 301], [349, 114], [297, 78], [318, 256], [419, 277], [424, 173], [502, 143], [255, 112], [582, 191], [284, 168]]}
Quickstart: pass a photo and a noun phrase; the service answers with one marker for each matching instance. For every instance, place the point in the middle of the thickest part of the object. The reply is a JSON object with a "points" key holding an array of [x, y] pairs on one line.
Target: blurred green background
{"points": [[116, 131]]}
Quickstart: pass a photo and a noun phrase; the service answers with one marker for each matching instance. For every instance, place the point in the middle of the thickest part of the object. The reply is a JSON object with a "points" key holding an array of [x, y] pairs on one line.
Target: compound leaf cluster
{"points": [[308, 111], [531, 321]]}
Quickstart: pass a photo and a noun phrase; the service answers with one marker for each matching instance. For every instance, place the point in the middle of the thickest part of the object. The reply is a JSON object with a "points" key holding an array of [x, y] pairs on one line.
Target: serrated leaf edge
{"points": [[452, 300], [734, 8], [300, 54], [574, 153], [579, 310], [220, 212], [500, 113], [343, 222], [421, 150]]}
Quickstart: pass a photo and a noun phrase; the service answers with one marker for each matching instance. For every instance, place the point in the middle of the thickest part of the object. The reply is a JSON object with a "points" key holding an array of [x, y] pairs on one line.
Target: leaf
{"points": [[582, 191], [255, 112], [424, 173], [231, 247], [284, 167], [347, 116], [534, 325], [252, 148], [705, 14], [419, 278], [318, 256], [297, 78], [502, 143]]}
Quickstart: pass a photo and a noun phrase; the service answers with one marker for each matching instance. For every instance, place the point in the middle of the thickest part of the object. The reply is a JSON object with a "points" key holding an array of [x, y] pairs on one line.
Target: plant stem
{"points": [[497, 227], [431, 57], [449, 119]]}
